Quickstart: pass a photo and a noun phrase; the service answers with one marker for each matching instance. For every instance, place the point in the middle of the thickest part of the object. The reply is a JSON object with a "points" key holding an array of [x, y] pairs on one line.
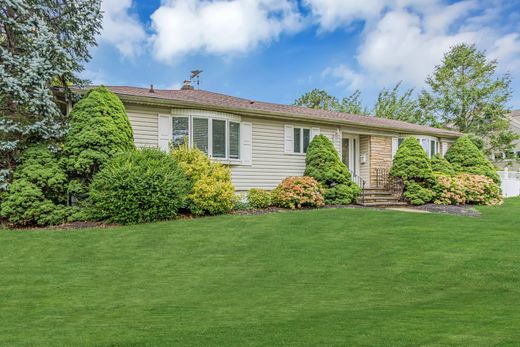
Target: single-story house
{"points": [[264, 142]]}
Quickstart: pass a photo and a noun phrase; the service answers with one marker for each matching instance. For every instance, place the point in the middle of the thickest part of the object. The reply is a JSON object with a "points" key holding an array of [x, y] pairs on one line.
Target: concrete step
{"points": [[384, 204]]}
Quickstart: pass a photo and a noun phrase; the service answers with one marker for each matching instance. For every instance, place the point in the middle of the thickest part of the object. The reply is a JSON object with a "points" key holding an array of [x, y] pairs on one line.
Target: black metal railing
{"points": [[384, 180], [362, 184]]}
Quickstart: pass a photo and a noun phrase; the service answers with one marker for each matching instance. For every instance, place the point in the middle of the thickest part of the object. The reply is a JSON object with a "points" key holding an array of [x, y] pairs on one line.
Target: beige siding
{"points": [[270, 163], [144, 124], [364, 149]]}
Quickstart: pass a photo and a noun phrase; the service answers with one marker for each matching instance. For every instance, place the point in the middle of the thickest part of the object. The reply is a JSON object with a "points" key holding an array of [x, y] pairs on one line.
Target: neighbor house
{"points": [[510, 160], [265, 142]]}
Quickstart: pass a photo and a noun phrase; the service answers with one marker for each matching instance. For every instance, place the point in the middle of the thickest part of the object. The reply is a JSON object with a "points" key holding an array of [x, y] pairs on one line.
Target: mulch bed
{"points": [[459, 210]]}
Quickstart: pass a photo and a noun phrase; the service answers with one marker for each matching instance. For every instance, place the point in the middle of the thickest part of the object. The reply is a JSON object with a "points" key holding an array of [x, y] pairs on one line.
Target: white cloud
{"points": [[331, 14], [506, 50], [219, 27], [120, 28], [346, 77]]}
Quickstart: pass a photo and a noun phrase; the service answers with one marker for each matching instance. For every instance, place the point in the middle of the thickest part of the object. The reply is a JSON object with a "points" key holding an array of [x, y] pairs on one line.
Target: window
{"points": [[302, 138], [433, 148], [218, 138], [200, 134], [180, 130], [400, 141], [234, 140]]}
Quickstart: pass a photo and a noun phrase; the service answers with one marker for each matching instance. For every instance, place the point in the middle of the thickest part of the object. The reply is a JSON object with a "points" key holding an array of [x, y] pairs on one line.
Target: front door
{"points": [[349, 153]]}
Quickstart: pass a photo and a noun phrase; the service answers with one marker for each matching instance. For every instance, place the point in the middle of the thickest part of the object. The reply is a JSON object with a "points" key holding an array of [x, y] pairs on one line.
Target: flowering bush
{"points": [[259, 198], [466, 189], [298, 192]]}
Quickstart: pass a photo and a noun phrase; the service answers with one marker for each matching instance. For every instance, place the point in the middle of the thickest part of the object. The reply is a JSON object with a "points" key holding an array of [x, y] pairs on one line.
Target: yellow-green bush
{"points": [[213, 193], [259, 198]]}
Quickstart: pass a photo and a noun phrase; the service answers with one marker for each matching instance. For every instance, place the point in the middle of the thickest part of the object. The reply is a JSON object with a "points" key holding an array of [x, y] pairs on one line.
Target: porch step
{"points": [[384, 204]]}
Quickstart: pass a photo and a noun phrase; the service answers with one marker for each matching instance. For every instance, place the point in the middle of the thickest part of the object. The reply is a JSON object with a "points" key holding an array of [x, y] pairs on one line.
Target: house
{"points": [[265, 142]]}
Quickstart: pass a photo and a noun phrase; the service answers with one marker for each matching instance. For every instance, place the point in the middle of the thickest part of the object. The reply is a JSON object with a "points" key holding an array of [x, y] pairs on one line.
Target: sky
{"points": [[276, 50]]}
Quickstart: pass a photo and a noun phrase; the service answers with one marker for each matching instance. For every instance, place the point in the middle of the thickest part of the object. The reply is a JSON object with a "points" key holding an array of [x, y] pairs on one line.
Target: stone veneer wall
{"points": [[380, 155]]}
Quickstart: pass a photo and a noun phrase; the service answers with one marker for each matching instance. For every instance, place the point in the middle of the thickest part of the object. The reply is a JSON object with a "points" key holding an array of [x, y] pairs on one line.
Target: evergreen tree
{"points": [[43, 44], [465, 93]]}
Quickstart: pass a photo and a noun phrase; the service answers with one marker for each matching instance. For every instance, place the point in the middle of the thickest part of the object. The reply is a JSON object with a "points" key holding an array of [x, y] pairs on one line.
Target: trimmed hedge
{"points": [[322, 162], [465, 157], [298, 192], [99, 130], [412, 165], [138, 186]]}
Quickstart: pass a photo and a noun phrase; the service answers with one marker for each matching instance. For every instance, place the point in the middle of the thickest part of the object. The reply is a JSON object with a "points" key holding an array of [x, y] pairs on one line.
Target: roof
{"points": [[210, 99]]}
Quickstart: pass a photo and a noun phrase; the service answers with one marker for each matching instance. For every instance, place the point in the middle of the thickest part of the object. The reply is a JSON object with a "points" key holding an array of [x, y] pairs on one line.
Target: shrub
{"points": [[322, 162], [298, 192], [138, 186], [213, 193], [99, 129], [259, 198], [40, 166], [467, 189], [441, 165], [25, 205], [465, 157], [412, 165]]}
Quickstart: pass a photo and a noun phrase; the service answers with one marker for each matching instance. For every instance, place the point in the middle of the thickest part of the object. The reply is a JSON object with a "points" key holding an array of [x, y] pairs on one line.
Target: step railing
{"points": [[362, 184], [384, 180]]}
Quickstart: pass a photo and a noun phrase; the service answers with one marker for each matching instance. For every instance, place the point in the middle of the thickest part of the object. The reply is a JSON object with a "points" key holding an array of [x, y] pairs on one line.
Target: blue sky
{"points": [[275, 50]]}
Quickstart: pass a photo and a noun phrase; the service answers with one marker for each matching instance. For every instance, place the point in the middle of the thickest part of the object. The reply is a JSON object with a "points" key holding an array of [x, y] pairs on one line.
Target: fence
{"points": [[510, 183]]}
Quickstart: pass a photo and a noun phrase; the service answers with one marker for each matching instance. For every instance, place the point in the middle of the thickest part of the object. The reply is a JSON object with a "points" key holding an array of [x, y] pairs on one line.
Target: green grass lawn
{"points": [[305, 278]]}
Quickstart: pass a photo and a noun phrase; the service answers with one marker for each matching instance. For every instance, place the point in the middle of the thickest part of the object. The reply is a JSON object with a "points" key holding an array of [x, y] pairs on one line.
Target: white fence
{"points": [[510, 183]]}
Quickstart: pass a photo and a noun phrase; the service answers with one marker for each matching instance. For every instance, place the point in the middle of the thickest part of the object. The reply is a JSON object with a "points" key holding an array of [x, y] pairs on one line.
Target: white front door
{"points": [[350, 152]]}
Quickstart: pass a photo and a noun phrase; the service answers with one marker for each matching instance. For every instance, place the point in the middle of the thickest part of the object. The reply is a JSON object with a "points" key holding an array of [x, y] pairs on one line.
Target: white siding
{"points": [[270, 163]]}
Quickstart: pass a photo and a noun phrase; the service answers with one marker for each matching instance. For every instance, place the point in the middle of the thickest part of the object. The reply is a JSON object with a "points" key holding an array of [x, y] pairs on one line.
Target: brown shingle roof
{"points": [[205, 98]]}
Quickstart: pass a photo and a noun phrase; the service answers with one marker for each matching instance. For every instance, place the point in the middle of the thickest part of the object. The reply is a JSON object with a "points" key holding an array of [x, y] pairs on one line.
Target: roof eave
{"points": [[242, 111]]}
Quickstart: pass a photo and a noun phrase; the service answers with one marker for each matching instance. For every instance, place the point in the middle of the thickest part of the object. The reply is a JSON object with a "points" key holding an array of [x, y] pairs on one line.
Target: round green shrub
{"points": [[441, 165], [322, 162], [25, 205], [465, 157], [138, 186], [259, 198], [298, 192], [99, 129], [412, 165]]}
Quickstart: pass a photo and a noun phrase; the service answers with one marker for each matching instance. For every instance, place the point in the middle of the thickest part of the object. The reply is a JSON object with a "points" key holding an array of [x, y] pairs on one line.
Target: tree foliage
{"points": [[404, 107], [465, 157], [320, 99], [441, 165], [322, 162], [466, 93], [99, 129], [42, 46]]}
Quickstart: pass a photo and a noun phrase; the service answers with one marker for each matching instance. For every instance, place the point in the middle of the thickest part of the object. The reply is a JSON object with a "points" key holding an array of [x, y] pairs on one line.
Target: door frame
{"points": [[354, 152]]}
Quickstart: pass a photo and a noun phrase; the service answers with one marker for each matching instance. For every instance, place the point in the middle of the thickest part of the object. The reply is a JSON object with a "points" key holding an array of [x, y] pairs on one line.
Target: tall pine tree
{"points": [[43, 44]]}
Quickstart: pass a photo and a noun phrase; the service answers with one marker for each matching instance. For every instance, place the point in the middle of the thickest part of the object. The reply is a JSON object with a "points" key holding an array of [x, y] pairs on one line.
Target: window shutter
{"points": [[165, 132], [246, 143], [289, 139], [314, 132], [395, 146]]}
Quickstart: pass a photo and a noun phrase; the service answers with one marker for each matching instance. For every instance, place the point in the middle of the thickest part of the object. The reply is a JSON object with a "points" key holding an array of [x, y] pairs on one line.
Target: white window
{"points": [[218, 138], [301, 138], [434, 147]]}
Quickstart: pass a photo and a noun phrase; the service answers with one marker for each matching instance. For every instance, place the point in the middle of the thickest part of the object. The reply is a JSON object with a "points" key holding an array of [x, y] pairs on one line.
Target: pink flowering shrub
{"points": [[298, 192], [466, 189]]}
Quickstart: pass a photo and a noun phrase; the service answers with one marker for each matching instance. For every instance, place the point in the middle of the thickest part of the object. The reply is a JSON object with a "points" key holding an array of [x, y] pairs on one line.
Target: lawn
{"points": [[306, 278]]}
